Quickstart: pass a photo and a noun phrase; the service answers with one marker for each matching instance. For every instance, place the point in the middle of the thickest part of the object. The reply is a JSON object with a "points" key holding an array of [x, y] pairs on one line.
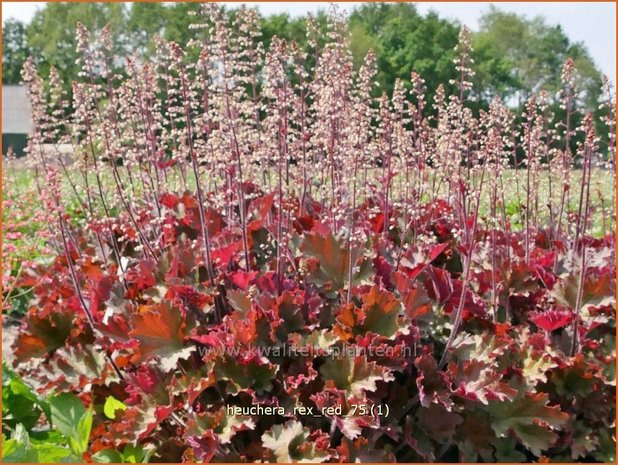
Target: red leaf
{"points": [[377, 223], [432, 383], [261, 207], [476, 380], [223, 255], [189, 296], [204, 448], [243, 278], [43, 333], [415, 300], [141, 277], [552, 320], [303, 223], [436, 250], [383, 270], [439, 284], [169, 200], [160, 333], [378, 315]]}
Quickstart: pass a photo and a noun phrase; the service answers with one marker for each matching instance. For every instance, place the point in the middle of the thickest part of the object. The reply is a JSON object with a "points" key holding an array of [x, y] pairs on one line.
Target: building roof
{"points": [[16, 112]]}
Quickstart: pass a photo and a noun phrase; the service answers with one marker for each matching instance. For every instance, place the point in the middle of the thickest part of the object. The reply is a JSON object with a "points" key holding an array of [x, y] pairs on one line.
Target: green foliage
{"points": [[51, 34], [72, 420], [281, 25], [515, 56], [130, 454], [144, 22], [20, 405], [177, 21], [26, 439], [524, 55], [19, 448], [15, 50], [405, 41], [293, 30], [111, 405]]}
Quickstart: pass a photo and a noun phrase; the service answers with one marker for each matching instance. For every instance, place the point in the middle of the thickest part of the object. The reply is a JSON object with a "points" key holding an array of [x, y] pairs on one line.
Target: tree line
{"points": [[515, 56]]}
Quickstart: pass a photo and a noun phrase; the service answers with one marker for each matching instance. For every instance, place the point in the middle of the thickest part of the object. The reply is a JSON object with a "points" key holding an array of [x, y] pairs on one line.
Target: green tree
{"points": [[144, 22], [281, 25], [293, 30], [178, 22], [51, 34], [14, 50], [535, 52], [405, 41], [514, 56]]}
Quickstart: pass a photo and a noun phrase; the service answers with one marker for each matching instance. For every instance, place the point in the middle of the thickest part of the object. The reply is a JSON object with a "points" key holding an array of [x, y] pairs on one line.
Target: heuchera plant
{"points": [[225, 199]]}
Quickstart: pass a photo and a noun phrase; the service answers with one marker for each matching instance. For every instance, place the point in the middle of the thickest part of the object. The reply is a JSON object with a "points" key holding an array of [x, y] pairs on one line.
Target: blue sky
{"points": [[593, 23]]}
